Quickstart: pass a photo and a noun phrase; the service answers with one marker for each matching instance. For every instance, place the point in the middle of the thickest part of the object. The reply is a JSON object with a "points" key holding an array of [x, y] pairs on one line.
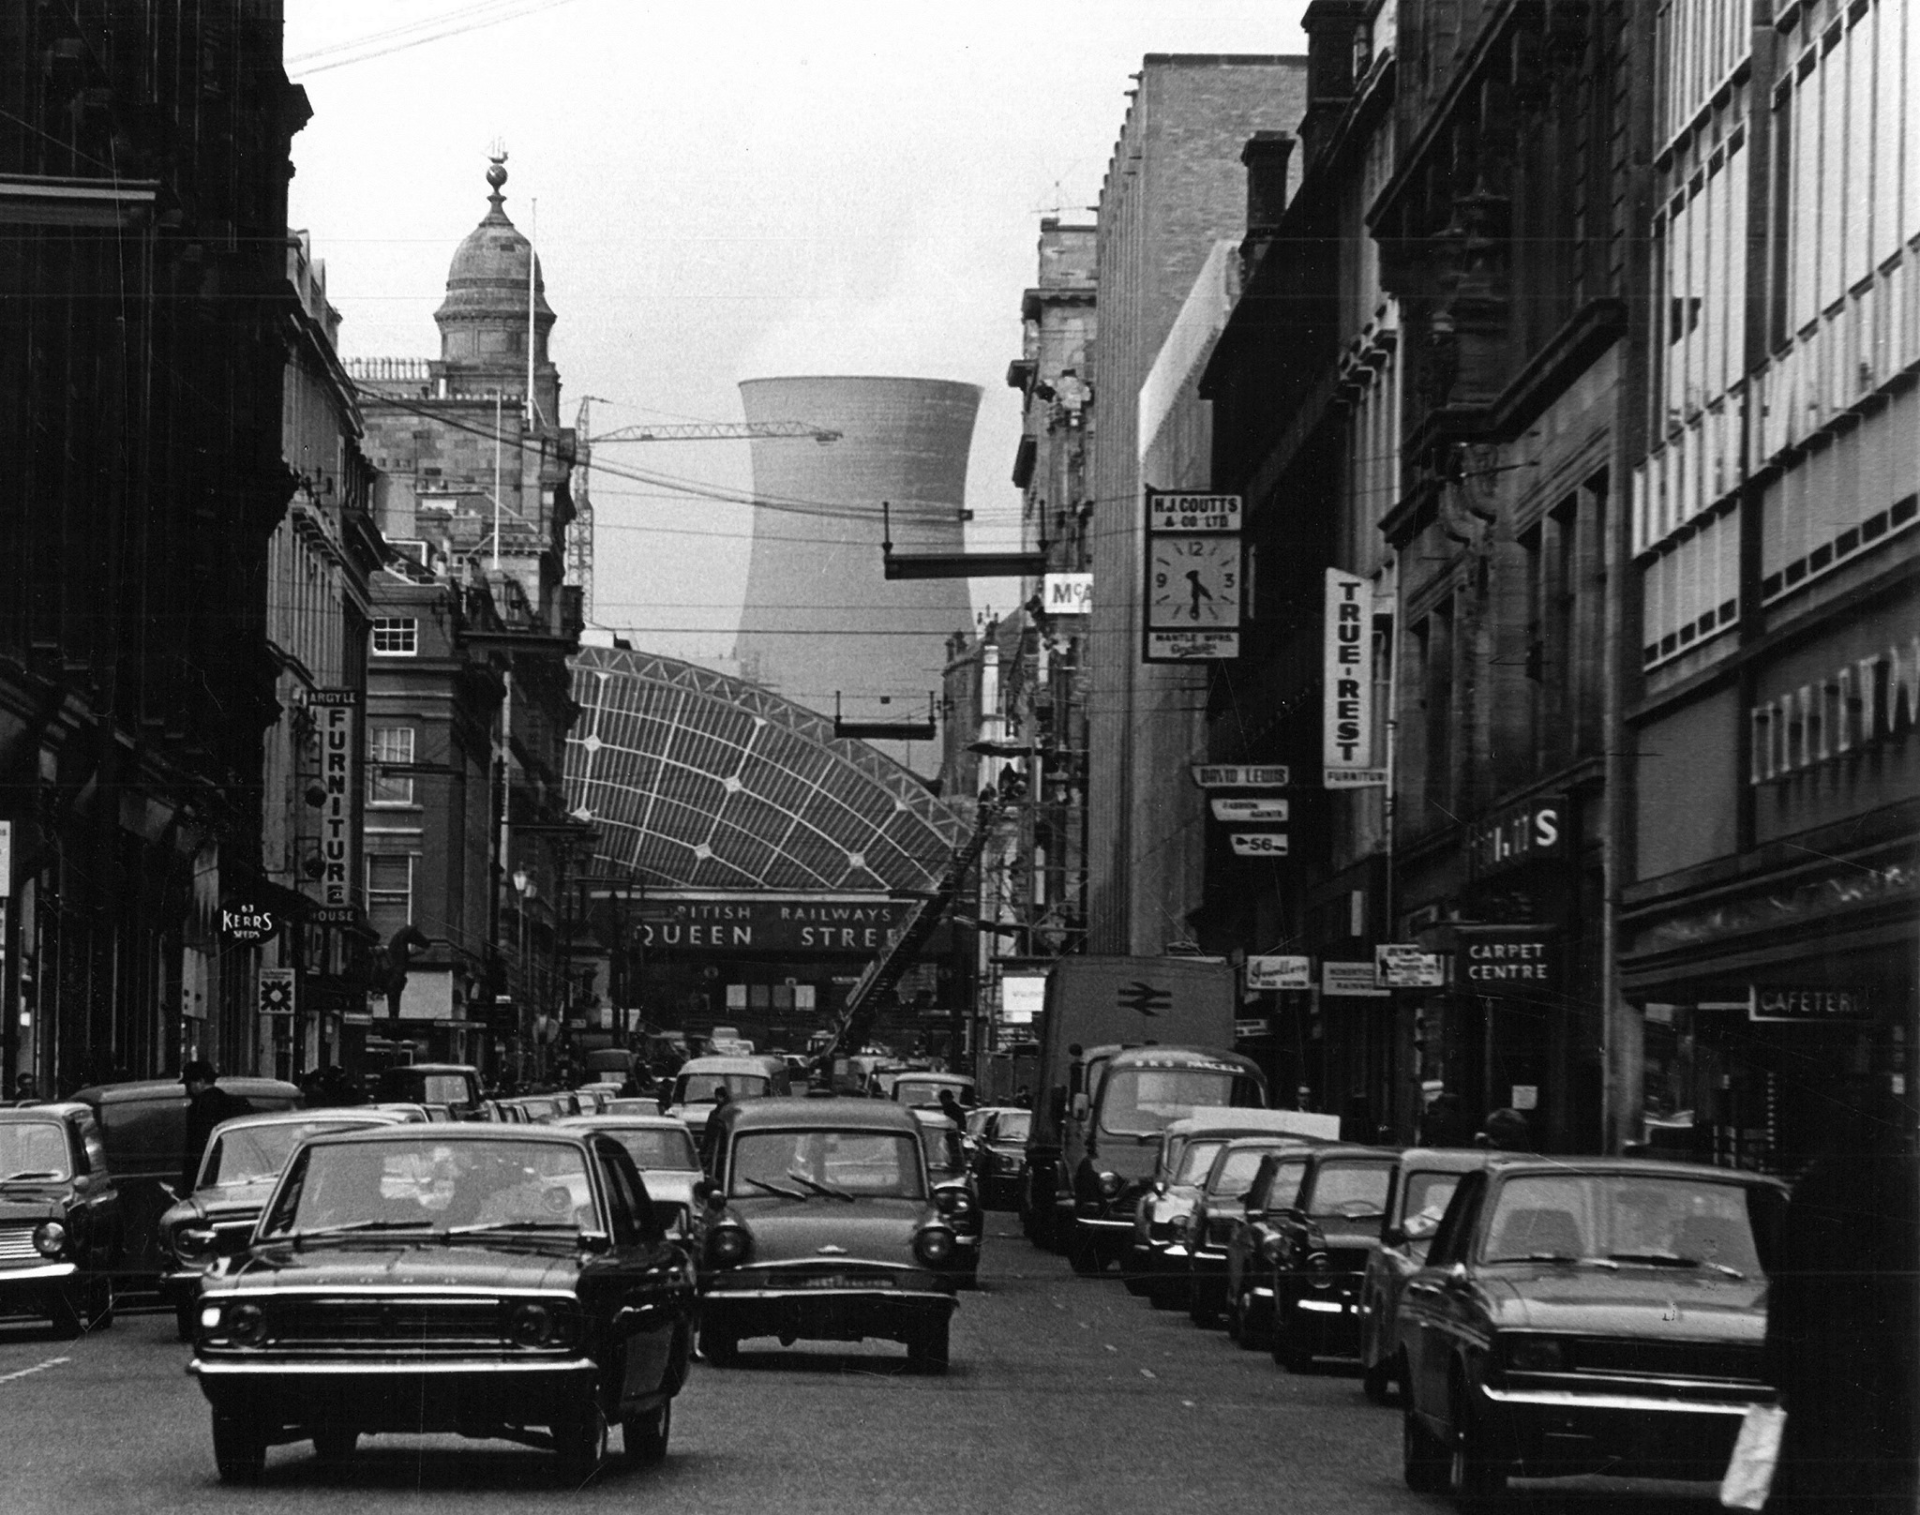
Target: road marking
{"points": [[39, 1367], [1148, 1373]]}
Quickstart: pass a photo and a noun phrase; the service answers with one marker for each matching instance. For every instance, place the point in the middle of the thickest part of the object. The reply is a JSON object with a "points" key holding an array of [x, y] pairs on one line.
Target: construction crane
{"points": [[579, 555]]}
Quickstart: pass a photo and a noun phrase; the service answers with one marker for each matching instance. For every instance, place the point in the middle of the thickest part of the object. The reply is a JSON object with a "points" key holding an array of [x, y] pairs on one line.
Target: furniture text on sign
{"points": [[1517, 834], [1174, 510], [1346, 736], [1241, 775], [1521, 964], [1270, 972], [337, 713]]}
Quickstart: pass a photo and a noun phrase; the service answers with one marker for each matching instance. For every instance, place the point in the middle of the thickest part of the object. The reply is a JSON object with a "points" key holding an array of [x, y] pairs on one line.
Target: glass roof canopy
{"points": [[699, 781]]}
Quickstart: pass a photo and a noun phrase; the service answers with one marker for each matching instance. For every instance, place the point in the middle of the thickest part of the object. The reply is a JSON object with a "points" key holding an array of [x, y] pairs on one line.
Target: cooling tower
{"points": [[820, 615]]}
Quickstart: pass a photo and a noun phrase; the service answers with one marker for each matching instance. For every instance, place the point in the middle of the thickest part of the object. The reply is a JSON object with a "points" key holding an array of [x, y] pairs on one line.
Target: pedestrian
{"points": [[1843, 1312], [1506, 1131], [207, 1105], [1446, 1122], [1023, 1098], [950, 1107], [710, 1135], [26, 1088]]}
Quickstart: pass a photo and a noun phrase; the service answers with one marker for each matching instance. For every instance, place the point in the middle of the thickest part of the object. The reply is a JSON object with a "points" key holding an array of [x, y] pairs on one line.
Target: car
{"points": [[1251, 1243], [691, 1094], [916, 1088], [452, 1087], [476, 1279], [1423, 1181], [1221, 1205], [821, 1223], [954, 1191], [663, 1150], [999, 1151], [1320, 1252], [242, 1163], [1155, 1263], [1586, 1315], [61, 1227]]}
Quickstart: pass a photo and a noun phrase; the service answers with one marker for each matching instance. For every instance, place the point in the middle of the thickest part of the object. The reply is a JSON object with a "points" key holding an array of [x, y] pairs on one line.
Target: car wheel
{"points": [[239, 1448], [1139, 1283], [928, 1348], [334, 1443], [1423, 1461], [644, 1437], [1201, 1309], [69, 1316], [1166, 1294], [581, 1442], [1378, 1379], [185, 1317], [1476, 1474], [1246, 1323], [720, 1348], [103, 1305], [1291, 1348], [1081, 1253]]}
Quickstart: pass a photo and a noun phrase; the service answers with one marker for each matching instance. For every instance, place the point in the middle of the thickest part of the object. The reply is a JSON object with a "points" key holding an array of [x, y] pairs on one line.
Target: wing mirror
{"points": [[1456, 1276], [1080, 1106]]}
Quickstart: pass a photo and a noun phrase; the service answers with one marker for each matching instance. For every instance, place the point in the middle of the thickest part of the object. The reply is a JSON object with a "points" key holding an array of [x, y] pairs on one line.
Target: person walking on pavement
{"points": [[1506, 1131], [710, 1136], [207, 1105]]}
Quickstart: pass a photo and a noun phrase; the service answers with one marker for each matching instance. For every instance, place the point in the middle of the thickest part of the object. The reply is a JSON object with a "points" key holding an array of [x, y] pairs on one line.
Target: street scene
{"points": [[1032, 755]]}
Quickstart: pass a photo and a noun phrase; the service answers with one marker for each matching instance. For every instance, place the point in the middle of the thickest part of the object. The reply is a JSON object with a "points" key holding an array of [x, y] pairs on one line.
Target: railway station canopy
{"points": [[697, 781]]}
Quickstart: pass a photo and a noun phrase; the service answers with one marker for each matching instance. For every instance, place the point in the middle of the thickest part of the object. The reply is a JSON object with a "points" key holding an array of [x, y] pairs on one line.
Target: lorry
{"points": [[1096, 1007]]}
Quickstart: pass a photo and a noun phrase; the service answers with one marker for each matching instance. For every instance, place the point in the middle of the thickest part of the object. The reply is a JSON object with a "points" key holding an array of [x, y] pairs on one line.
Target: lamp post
{"points": [[523, 888]]}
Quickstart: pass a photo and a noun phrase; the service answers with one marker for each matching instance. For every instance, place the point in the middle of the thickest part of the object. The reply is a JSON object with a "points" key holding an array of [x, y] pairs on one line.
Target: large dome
{"points": [[487, 280]]}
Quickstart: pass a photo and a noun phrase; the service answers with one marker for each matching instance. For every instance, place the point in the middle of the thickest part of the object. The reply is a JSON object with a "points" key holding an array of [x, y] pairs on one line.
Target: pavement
{"points": [[1065, 1395]]}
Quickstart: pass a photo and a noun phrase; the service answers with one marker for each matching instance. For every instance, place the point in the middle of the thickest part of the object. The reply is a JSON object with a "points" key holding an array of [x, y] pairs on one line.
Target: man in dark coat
{"points": [[710, 1136], [207, 1105], [950, 1107]]}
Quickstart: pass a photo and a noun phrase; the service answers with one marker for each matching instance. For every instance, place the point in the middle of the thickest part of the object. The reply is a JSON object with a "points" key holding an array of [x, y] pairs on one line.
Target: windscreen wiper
{"points": [[760, 1183], [29, 1173], [522, 1226], [820, 1188], [1675, 1260], [357, 1226]]}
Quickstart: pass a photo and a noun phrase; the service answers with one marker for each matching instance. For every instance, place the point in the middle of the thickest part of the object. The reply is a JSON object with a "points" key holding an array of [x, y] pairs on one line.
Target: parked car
{"points": [[954, 1192], [999, 1150], [1320, 1254], [241, 1165], [1156, 1260], [61, 1231], [1583, 1315], [1423, 1182], [143, 1124], [1221, 1206], [821, 1224], [476, 1279], [1252, 1243], [452, 1087], [925, 1089], [663, 1150]]}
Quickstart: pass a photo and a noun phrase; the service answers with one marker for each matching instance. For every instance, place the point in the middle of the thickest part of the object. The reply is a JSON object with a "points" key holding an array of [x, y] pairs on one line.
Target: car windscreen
{"points": [[1682, 1221], [697, 1088], [443, 1186], [914, 1091], [1423, 1200], [33, 1149], [255, 1154], [657, 1148], [1235, 1171], [1197, 1161], [945, 1154], [803, 1163], [1350, 1191], [1013, 1126], [1141, 1101]]}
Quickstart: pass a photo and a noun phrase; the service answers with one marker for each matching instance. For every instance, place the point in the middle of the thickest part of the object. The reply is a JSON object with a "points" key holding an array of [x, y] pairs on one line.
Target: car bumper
{"points": [[1556, 1431], [181, 1286], [849, 1314], [32, 1288], [1331, 1322], [465, 1393]]}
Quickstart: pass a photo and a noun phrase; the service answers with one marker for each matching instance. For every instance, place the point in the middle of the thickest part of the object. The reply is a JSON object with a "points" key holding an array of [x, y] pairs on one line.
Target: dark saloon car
{"points": [[1423, 1182], [1221, 1207], [1320, 1254], [1254, 1242], [60, 1223], [478, 1279], [242, 1163], [954, 1192], [821, 1224], [1586, 1315], [999, 1153]]}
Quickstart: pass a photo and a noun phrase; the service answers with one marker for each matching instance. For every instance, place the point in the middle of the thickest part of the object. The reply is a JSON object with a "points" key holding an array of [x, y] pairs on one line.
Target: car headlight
{"points": [[1537, 1354], [193, 1243], [729, 1245], [246, 1325], [933, 1245], [210, 1317], [1270, 1249], [1320, 1271], [953, 1202], [49, 1238], [530, 1325], [1111, 1184]]}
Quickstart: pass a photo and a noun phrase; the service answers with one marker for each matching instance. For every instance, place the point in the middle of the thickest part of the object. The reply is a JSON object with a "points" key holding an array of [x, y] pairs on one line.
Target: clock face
{"points": [[1193, 583]]}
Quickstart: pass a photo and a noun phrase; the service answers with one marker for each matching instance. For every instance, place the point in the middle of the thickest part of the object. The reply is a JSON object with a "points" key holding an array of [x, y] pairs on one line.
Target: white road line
{"points": [[39, 1367]]}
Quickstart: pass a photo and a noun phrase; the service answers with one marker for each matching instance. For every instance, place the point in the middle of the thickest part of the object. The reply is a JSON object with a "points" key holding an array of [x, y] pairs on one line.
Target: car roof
{"points": [[441, 1131], [730, 1062], [1455, 1159], [828, 1114], [917, 1076], [372, 1115], [1530, 1165], [618, 1121], [61, 1109], [431, 1068], [928, 1116], [149, 1088], [1232, 1122]]}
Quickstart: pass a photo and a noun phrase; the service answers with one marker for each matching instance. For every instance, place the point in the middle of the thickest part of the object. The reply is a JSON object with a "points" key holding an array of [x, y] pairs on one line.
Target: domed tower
{"points": [[484, 319]]}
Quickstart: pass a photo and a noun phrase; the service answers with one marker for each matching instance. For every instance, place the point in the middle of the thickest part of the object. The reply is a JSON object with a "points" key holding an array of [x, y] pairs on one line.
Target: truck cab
{"points": [[1111, 1136]]}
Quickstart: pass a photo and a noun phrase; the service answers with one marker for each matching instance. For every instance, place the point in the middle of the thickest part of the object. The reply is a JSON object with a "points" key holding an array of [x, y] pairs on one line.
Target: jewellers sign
{"points": [[798, 926], [1273, 973]]}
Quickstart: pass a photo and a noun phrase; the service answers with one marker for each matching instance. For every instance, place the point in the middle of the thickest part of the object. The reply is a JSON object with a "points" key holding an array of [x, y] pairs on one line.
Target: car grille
{"points": [[1669, 1359], [365, 1322], [825, 1275], [16, 1243]]}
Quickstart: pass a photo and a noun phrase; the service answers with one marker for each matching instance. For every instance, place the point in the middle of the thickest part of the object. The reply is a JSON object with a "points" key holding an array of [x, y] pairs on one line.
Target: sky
{"points": [[729, 190]]}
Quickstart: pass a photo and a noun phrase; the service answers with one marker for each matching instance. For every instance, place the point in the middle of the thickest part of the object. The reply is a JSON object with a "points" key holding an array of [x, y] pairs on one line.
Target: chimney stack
{"points": [[1266, 156]]}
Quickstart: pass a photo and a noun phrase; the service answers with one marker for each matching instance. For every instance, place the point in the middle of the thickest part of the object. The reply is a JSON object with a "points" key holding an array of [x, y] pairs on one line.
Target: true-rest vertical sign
{"points": [[337, 719], [1347, 715]]}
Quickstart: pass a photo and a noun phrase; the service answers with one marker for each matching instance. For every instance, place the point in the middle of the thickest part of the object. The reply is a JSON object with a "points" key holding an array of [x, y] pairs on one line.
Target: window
{"points": [[389, 745], [389, 894], [396, 637]]}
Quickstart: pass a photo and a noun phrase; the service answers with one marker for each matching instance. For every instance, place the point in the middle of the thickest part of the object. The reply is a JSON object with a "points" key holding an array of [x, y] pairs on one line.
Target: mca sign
{"points": [[1067, 594]]}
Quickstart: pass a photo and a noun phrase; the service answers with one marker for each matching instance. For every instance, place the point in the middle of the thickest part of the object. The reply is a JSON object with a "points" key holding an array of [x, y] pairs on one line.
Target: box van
{"points": [[454, 1087], [691, 1095], [144, 1127]]}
